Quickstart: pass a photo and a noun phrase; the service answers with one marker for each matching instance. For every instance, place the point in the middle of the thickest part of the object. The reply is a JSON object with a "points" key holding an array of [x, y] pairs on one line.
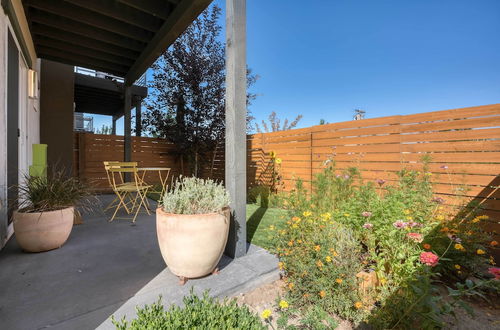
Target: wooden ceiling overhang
{"points": [[121, 37]]}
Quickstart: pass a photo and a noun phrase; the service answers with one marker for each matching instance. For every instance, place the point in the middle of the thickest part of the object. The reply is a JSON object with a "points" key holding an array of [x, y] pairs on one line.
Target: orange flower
{"points": [[427, 246], [290, 285], [445, 229], [339, 281], [322, 294], [317, 248], [494, 243], [358, 304], [290, 243], [319, 263]]}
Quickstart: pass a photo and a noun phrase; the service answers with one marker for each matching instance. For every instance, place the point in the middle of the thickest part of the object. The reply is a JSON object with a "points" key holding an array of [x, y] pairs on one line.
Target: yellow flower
{"points": [[295, 225], [326, 215], [266, 313], [299, 241], [271, 227], [307, 213], [283, 304], [409, 218], [440, 217], [319, 264], [317, 248], [475, 220], [272, 154], [383, 281], [290, 285], [347, 215], [339, 281], [479, 251], [406, 212], [328, 259], [358, 304], [457, 267], [277, 160], [459, 246], [322, 294]]}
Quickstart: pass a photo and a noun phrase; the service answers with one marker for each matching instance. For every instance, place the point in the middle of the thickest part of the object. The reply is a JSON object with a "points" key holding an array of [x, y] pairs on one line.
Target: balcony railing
{"points": [[142, 81]]}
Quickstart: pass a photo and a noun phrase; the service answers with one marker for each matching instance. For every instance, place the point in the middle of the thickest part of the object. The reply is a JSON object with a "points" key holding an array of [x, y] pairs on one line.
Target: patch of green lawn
{"points": [[258, 221]]}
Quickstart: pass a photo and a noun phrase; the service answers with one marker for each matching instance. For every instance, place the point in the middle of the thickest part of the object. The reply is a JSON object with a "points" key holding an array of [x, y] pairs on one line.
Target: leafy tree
{"points": [[275, 124], [187, 102], [105, 129]]}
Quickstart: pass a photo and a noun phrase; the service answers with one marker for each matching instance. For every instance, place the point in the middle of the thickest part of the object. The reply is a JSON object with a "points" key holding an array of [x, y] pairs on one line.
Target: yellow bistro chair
{"points": [[116, 164], [135, 191]]}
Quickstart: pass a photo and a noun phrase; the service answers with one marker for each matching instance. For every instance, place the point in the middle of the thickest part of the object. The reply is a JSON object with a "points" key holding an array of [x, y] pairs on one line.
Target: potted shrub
{"points": [[46, 210], [192, 225]]}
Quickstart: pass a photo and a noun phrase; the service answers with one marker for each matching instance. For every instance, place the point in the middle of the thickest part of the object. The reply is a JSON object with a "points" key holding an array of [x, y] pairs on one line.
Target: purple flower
{"points": [[368, 226], [438, 200], [414, 224], [444, 167], [366, 214], [346, 176], [454, 238], [381, 182], [400, 224]]}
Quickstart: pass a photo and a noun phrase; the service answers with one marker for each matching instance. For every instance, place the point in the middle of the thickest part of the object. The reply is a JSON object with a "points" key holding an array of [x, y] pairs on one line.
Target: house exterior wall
{"points": [[29, 113], [57, 86]]}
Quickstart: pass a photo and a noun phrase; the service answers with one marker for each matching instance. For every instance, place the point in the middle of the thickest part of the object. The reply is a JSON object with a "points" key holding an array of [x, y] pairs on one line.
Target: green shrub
{"points": [[195, 196], [346, 225], [53, 192], [197, 313]]}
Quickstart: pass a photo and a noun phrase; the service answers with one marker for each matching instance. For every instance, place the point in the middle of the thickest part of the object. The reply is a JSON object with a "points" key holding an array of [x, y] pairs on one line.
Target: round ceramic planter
{"points": [[38, 232], [192, 245]]}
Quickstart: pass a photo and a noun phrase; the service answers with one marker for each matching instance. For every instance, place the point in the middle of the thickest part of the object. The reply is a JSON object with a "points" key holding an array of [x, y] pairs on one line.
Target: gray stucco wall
{"points": [[56, 112]]}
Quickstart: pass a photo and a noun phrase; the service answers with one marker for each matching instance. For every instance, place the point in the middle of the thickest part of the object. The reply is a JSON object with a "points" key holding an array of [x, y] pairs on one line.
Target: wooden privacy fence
{"points": [[91, 150], [464, 146]]}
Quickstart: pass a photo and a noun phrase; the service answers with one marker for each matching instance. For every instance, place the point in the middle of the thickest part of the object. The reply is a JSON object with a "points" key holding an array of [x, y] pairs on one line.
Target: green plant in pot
{"points": [[46, 210], [192, 227]]}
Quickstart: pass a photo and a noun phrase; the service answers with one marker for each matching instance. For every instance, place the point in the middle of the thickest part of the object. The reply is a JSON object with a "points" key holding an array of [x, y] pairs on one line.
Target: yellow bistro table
{"points": [[163, 173]]}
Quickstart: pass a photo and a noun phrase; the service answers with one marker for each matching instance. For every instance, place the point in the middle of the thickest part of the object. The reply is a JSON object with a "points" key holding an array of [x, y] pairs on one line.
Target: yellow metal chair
{"points": [[116, 164], [135, 191]]}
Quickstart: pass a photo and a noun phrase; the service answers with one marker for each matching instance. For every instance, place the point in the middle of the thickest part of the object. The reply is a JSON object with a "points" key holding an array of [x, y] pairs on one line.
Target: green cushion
{"points": [[40, 154]]}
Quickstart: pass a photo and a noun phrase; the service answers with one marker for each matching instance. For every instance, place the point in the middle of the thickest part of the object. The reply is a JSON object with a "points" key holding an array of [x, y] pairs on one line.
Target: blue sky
{"points": [[324, 58]]}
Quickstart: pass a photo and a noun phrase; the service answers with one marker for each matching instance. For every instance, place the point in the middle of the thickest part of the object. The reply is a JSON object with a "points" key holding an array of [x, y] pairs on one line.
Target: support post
{"points": [[127, 145], [113, 125], [138, 117], [236, 147]]}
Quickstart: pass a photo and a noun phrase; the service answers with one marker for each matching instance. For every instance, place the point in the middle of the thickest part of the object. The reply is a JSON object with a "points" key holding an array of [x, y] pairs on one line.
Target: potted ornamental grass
{"points": [[46, 210], [192, 226]]}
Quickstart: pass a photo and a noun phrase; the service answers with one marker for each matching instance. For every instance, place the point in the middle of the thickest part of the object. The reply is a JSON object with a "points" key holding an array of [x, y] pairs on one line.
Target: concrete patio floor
{"points": [[104, 269]]}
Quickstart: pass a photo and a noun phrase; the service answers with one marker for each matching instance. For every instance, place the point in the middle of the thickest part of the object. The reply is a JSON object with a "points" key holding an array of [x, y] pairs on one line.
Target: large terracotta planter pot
{"points": [[37, 232], [192, 245]]}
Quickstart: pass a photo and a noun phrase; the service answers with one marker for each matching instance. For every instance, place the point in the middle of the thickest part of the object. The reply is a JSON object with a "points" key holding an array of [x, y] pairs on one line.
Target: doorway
{"points": [[12, 125]]}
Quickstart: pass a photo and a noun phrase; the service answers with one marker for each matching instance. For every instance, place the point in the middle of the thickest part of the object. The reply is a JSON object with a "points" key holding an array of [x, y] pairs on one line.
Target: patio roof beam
{"points": [[158, 8], [120, 70], [90, 17], [120, 12], [236, 99], [91, 53], [84, 41], [180, 18], [85, 30]]}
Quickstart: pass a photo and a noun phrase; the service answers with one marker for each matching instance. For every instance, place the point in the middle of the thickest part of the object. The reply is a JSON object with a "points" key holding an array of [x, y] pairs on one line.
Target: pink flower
{"points": [[412, 224], [495, 271], [429, 259], [368, 226], [416, 237], [366, 214], [400, 224], [444, 167], [381, 182]]}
